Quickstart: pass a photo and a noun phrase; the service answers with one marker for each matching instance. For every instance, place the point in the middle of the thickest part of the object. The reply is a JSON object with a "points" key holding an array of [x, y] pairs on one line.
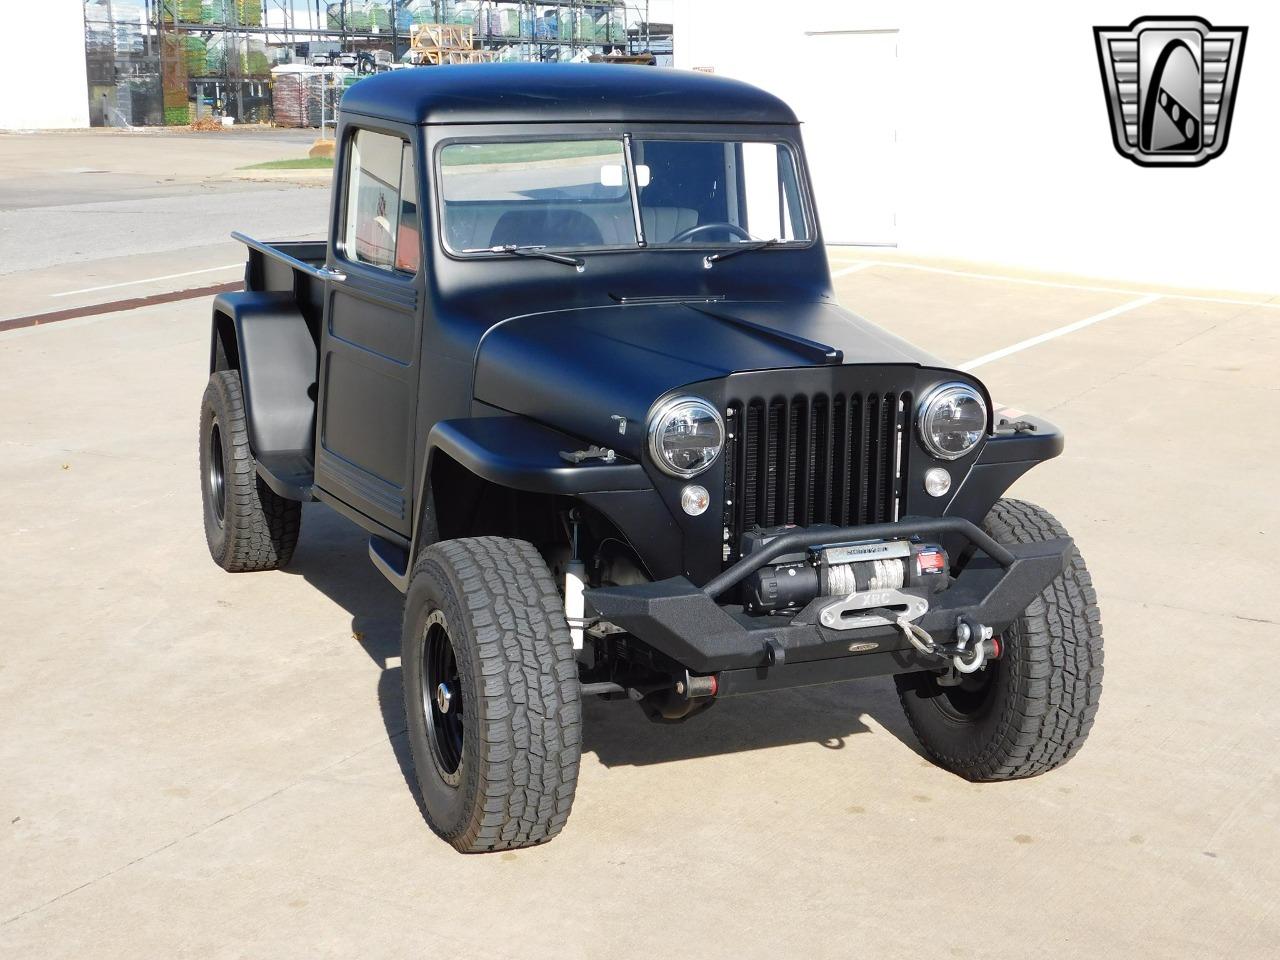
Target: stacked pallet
{"points": [[173, 81], [302, 95], [256, 63], [291, 96], [193, 55], [249, 12]]}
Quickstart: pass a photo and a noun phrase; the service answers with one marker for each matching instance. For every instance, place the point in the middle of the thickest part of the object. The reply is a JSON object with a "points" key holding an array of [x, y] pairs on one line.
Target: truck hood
{"points": [[578, 369]]}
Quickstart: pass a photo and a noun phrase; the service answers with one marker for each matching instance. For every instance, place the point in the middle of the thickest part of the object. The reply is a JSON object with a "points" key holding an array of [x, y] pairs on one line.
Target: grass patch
{"points": [[301, 163]]}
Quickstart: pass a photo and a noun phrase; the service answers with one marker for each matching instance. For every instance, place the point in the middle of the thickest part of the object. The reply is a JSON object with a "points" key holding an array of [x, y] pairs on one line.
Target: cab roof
{"points": [[560, 93]]}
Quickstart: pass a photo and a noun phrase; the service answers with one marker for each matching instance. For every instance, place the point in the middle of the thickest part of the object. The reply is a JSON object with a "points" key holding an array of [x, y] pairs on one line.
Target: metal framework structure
{"points": [[171, 43], [282, 26]]}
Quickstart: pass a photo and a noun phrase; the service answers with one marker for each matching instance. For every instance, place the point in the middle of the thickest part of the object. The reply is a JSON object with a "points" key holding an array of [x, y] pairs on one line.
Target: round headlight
{"points": [[685, 436], [953, 419]]}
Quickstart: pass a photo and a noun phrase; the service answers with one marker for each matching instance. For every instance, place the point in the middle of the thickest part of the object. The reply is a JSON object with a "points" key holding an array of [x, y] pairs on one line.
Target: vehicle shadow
{"points": [[333, 557], [619, 733]]}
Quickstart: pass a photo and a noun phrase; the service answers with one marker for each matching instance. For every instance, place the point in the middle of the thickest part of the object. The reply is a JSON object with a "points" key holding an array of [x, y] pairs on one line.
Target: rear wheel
{"points": [[246, 524], [1031, 710], [491, 694]]}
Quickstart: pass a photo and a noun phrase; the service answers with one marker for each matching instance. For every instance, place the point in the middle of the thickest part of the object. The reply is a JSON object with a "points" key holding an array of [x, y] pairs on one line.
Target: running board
{"points": [[392, 560]]}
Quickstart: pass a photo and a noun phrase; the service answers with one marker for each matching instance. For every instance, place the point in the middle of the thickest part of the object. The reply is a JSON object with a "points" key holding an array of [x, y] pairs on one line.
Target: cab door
{"points": [[370, 345]]}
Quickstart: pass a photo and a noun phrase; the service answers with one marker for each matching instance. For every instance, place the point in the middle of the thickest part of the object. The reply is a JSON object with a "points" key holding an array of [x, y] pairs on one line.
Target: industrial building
{"points": [[127, 63]]}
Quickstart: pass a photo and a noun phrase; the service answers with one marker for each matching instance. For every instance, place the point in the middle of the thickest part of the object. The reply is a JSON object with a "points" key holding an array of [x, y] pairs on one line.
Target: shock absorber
{"points": [[575, 577]]}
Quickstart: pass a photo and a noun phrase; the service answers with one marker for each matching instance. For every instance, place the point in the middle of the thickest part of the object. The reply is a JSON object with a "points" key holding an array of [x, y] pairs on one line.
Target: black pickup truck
{"points": [[570, 354]]}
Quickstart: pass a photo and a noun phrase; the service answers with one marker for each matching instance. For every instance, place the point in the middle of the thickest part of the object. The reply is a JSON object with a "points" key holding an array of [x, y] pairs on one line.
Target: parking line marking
{"points": [[1061, 285], [130, 283], [1059, 332]]}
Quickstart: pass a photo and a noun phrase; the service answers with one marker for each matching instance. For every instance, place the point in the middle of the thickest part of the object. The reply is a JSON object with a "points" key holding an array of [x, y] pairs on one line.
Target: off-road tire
{"points": [[1035, 710], [252, 528], [521, 711]]}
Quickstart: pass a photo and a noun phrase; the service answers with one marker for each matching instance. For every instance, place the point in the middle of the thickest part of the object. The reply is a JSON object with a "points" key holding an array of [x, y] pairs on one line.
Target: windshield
{"points": [[577, 194]]}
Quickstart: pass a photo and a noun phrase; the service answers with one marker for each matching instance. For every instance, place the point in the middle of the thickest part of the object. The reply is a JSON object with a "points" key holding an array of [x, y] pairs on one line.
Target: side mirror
{"points": [[611, 175]]}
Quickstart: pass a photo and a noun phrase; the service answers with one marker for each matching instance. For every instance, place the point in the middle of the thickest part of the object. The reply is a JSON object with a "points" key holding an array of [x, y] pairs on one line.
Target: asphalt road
{"points": [[73, 198], [206, 765]]}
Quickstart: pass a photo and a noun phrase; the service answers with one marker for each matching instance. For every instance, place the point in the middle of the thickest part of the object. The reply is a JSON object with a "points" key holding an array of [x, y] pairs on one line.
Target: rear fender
{"points": [[265, 337]]}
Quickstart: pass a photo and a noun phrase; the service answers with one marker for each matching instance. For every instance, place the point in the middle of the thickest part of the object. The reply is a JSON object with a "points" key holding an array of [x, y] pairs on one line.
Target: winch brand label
{"points": [[1170, 84], [876, 550]]}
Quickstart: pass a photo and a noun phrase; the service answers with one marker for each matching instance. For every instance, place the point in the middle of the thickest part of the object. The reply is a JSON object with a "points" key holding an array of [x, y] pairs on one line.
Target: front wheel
{"points": [[1031, 710], [492, 702]]}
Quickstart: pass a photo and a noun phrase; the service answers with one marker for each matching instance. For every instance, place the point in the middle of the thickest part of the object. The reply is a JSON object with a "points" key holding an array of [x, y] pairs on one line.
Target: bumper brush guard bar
{"points": [[685, 623]]}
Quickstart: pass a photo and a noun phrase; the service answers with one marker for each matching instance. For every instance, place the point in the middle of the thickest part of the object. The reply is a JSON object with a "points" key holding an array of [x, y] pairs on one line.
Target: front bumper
{"points": [[685, 623]]}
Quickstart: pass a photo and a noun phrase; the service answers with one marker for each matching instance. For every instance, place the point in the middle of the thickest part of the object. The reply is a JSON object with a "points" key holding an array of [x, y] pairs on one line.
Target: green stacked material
{"points": [[193, 54], [173, 80], [425, 12], [378, 16], [215, 57], [256, 63], [250, 12], [568, 20], [357, 20], [188, 10], [215, 12]]}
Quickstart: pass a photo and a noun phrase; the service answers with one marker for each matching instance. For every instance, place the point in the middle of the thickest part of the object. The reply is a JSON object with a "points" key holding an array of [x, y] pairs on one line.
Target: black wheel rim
{"points": [[972, 697], [215, 478], [442, 698]]}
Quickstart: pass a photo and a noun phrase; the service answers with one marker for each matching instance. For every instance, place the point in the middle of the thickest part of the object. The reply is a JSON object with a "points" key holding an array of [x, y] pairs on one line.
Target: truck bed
{"points": [[289, 266]]}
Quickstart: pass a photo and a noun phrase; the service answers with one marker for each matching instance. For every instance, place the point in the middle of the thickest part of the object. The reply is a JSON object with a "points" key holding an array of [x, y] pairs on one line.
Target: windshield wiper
{"points": [[531, 250], [737, 249]]}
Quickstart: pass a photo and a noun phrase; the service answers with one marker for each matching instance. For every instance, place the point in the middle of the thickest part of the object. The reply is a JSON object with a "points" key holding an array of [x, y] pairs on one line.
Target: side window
{"points": [[381, 226]]}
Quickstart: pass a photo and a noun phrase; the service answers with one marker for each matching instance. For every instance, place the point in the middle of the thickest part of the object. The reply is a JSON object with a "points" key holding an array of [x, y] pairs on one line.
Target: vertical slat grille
{"points": [[831, 459]]}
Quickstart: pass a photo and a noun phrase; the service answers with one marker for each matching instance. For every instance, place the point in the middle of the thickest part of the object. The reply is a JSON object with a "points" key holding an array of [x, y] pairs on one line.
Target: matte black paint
{"points": [[501, 362], [560, 94]]}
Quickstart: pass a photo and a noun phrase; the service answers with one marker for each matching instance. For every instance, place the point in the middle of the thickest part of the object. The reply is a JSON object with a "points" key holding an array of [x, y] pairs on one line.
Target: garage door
{"points": [[848, 105]]}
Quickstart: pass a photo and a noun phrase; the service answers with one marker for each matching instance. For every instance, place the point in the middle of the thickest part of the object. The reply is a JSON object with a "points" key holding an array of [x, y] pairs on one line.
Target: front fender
{"points": [[520, 454], [265, 337], [1009, 453]]}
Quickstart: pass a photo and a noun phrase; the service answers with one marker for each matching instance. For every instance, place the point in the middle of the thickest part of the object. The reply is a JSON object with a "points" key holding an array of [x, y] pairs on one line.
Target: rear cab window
{"points": [[381, 224]]}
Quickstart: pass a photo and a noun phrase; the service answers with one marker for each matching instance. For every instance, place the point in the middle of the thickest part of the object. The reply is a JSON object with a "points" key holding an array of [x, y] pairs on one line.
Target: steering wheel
{"points": [[731, 228]]}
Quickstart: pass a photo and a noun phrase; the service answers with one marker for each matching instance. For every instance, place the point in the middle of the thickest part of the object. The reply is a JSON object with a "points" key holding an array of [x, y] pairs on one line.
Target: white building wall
{"points": [[1003, 145], [42, 70]]}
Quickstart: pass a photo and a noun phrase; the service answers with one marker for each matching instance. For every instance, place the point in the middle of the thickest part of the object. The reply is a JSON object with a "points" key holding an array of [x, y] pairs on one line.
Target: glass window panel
{"points": [[726, 187], [373, 199], [409, 240], [546, 193]]}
